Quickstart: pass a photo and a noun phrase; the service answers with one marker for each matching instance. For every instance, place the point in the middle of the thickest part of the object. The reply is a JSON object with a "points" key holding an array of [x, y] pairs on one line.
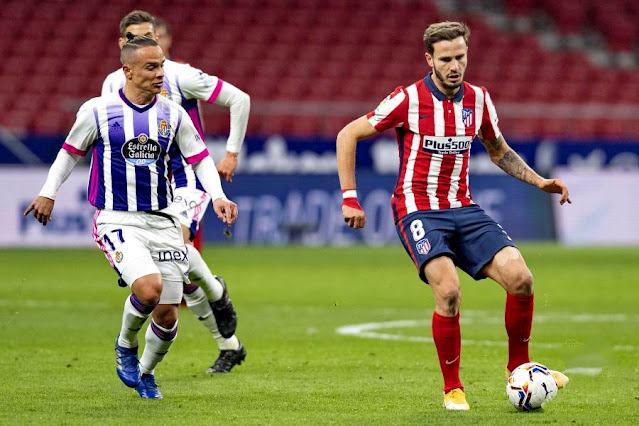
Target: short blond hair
{"points": [[447, 30]]}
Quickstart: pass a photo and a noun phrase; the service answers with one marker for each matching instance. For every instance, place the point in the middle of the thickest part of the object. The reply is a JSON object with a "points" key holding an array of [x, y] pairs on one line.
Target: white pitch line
{"points": [[370, 330], [586, 371]]}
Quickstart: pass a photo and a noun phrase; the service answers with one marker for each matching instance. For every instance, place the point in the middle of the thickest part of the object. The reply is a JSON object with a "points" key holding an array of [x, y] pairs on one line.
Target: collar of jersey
{"points": [[135, 107], [428, 80]]}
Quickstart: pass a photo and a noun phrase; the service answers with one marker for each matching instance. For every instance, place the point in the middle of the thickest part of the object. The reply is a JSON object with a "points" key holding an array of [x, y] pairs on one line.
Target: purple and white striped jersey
{"points": [[132, 148], [184, 85]]}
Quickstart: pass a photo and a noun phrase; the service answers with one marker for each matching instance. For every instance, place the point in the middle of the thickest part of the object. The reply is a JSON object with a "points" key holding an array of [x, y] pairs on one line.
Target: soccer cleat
{"points": [[224, 312], [148, 388], [127, 365], [456, 400], [560, 378], [227, 360]]}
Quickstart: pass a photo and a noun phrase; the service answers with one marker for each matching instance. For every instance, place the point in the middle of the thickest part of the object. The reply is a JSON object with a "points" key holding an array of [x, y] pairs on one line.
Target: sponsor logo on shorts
{"points": [[141, 150], [172, 256], [423, 246], [119, 256]]}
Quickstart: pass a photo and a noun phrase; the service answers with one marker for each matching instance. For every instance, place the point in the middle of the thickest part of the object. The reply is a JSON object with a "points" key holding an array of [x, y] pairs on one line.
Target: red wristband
{"points": [[350, 199], [352, 202]]}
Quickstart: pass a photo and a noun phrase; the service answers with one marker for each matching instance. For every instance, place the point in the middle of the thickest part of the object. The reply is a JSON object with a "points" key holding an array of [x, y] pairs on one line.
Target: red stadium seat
{"points": [[335, 50]]}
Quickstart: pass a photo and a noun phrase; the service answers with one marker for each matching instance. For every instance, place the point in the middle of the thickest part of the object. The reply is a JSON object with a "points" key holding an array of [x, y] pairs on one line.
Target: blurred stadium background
{"points": [[564, 76]]}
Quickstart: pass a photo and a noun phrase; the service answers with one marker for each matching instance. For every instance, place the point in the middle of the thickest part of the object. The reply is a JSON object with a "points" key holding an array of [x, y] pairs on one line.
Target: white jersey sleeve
{"points": [[196, 84], [194, 151], [84, 131], [189, 141], [113, 82], [239, 104]]}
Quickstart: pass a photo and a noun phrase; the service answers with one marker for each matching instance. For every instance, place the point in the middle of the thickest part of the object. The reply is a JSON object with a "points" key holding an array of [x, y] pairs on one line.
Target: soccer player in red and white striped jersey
{"points": [[436, 120]]}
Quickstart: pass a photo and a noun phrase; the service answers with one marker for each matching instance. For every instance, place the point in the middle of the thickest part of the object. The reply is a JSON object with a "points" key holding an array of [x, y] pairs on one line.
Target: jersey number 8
{"points": [[417, 229]]}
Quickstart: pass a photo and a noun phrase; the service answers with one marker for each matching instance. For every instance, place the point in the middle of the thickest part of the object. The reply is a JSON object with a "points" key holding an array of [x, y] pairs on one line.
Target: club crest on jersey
{"points": [[141, 150], [164, 128], [164, 93], [119, 256], [467, 116], [423, 246]]}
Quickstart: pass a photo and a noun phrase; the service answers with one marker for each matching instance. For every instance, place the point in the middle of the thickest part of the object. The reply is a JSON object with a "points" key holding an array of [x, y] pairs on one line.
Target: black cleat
{"points": [[227, 360], [224, 312]]}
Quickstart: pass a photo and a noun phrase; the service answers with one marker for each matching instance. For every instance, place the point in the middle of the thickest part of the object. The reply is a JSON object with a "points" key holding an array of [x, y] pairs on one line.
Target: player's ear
{"points": [[121, 42], [429, 59], [127, 71]]}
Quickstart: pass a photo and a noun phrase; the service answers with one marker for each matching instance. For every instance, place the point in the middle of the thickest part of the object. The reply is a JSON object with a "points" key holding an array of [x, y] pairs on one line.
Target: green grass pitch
{"points": [[60, 311]]}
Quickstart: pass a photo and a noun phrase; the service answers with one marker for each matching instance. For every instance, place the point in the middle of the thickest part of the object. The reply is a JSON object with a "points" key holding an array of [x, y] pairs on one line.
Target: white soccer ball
{"points": [[530, 386]]}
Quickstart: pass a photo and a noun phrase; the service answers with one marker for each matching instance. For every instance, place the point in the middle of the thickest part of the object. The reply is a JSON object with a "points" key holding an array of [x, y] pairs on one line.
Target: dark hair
{"points": [[446, 30], [135, 18], [134, 43], [161, 23]]}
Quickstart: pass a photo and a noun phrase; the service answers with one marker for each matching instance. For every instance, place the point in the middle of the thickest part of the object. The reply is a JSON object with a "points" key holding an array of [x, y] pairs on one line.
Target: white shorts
{"points": [[139, 243], [190, 205]]}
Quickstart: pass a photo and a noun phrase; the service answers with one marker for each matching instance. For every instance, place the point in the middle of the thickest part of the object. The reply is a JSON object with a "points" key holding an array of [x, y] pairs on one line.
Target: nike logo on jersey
{"points": [[527, 339], [421, 117], [450, 362]]}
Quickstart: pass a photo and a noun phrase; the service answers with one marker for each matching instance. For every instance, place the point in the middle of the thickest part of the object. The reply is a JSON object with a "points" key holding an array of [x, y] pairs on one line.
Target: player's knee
{"points": [[521, 283], [450, 300], [148, 289], [165, 316]]}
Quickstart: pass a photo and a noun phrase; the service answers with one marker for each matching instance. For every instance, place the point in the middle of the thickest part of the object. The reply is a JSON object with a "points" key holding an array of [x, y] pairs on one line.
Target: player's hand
{"points": [[226, 210], [355, 218], [42, 208], [556, 186], [227, 166]]}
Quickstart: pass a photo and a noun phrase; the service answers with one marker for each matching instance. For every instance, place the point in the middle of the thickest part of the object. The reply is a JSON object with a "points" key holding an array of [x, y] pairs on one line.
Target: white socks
{"points": [[199, 304], [158, 342], [134, 315], [203, 275]]}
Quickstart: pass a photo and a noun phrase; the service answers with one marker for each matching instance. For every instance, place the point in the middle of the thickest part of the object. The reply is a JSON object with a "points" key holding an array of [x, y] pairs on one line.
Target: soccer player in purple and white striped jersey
{"points": [[134, 133], [207, 295]]}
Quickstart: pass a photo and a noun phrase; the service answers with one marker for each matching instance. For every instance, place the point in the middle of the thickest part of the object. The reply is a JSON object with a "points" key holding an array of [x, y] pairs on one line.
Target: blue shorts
{"points": [[467, 235]]}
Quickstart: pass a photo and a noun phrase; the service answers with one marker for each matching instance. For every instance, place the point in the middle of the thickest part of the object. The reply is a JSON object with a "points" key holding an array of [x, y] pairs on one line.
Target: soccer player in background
{"points": [[135, 135], [436, 120], [164, 36], [208, 299]]}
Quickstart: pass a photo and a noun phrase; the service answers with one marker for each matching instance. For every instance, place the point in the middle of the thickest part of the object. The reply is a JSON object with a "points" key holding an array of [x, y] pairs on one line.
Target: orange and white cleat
{"points": [[561, 379], [456, 400]]}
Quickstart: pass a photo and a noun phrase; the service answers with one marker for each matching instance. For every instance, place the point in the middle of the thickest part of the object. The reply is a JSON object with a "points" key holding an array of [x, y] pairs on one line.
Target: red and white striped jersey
{"points": [[434, 134]]}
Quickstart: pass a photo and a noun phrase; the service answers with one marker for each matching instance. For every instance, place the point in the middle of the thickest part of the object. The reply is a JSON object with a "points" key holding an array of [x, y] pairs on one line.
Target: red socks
{"points": [[519, 315], [447, 339]]}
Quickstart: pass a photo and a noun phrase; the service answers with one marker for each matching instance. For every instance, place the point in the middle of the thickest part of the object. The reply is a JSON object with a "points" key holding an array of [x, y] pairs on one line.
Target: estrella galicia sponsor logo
{"points": [[446, 145], [141, 150], [423, 246], [172, 256], [119, 256], [164, 128]]}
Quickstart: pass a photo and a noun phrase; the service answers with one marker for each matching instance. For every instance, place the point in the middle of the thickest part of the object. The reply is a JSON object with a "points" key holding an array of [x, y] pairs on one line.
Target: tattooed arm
{"points": [[509, 161]]}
